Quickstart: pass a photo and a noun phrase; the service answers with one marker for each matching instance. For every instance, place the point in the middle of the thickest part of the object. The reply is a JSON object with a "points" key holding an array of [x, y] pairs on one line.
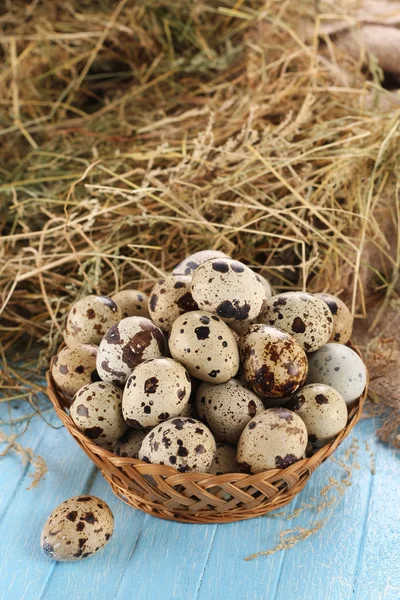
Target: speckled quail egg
{"points": [[274, 439], [205, 346], [229, 289], [190, 263], [156, 390], [73, 368], [224, 460], [339, 367], [182, 442], [342, 318], [129, 443], [303, 316], [89, 319], [240, 327], [273, 364], [132, 303], [169, 298], [97, 412], [322, 409], [125, 345], [227, 408], [78, 528], [269, 290]]}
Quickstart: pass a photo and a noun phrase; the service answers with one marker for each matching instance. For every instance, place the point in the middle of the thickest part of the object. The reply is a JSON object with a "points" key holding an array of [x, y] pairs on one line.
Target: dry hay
{"points": [[137, 132]]}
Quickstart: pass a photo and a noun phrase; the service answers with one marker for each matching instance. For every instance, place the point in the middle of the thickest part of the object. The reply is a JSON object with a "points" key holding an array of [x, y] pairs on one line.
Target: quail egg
{"points": [[125, 345], [129, 443], [339, 367], [274, 365], [77, 529], [274, 439], [269, 290], [224, 460], [322, 409], [73, 368], [131, 303], [97, 412], [169, 298], [89, 319], [205, 346], [229, 289], [227, 408], [190, 264], [342, 318], [183, 443], [303, 316], [156, 390]]}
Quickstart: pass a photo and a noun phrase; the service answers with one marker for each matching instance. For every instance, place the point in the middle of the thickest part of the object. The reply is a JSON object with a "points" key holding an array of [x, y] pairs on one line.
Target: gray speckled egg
{"points": [[274, 439], [74, 367], [229, 289], [190, 264], [97, 412], [227, 408], [224, 460], [127, 344], [322, 409], [132, 303], [303, 316], [129, 443], [77, 529], [273, 364], [169, 298], [205, 346], [341, 368], [157, 389], [182, 442], [342, 318], [89, 319]]}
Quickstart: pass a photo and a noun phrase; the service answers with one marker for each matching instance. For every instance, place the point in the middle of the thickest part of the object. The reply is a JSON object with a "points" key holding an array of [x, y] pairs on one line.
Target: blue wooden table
{"points": [[355, 555]]}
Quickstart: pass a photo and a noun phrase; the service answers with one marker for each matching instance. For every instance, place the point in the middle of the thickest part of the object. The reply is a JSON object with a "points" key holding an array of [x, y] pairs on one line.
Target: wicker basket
{"points": [[199, 497]]}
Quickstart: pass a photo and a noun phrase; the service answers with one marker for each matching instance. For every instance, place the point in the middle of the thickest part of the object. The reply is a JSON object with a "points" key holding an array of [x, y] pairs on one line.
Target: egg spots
{"points": [[151, 385], [202, 333]]}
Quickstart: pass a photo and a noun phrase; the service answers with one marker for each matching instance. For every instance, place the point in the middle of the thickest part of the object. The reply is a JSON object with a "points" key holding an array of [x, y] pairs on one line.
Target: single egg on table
{"points": [[342, 318], [322, 409], [183, 443], [97, 411], [274, 439], [190, 263], [132, 303], [340, 367], [229, 289], [274, 365], [303, 316], [226, 408], [169, 298], [205, 345], [78, 528], [72, 368], [156, 390], [125, 345], [89, 319]]}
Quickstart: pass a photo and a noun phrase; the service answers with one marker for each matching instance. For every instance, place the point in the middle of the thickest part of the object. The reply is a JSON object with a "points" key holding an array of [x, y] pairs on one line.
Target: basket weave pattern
{"points": [[200, 497]]}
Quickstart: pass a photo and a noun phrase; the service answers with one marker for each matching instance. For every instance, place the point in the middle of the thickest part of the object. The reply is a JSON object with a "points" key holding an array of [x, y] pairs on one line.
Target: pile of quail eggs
{"points": [[212, 372]]}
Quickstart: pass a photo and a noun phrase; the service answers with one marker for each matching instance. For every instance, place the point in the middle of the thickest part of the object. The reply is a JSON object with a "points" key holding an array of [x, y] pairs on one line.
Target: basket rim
{"points": [[176, 478]]}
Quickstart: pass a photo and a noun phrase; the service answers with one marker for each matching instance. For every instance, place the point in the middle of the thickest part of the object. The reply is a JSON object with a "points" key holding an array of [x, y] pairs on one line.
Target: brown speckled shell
{"points": [[89, 319], [73, 368], [190, 263], [132, 303], [301, 315], [77, 529], [129, 443], [342, 318], [182, 442], [127, 344], [224, 460], [274, 439], [169, 298], [97, 411], [273, 363]]}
